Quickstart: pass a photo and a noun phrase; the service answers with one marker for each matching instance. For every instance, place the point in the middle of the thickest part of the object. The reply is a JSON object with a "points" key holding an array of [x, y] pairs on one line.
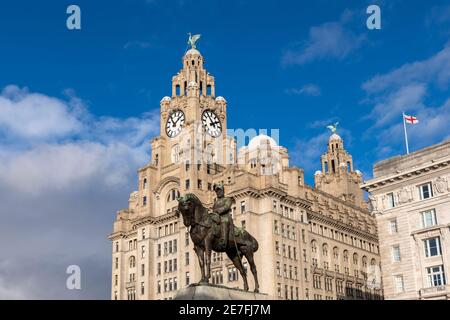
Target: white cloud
{"points": [[35, 116], [434, 70], [308, 89], [63, 174], [413, 88], [329, 40]]}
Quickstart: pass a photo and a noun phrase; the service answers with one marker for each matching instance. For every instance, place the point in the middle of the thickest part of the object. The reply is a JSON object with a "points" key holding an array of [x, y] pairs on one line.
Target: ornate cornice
{"points": [[338, 225], [399, 176]]}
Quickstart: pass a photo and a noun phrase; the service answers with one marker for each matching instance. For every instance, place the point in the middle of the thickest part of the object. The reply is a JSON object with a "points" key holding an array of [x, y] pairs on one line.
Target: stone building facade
{"points": [[410, 196], [314, 243]]}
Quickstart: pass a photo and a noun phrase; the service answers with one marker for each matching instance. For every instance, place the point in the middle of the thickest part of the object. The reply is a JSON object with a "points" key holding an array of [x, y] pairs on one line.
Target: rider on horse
{"points": [[222, 207]]}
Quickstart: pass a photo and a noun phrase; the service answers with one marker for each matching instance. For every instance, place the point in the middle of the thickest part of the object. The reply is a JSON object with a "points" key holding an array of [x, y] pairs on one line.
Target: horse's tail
{"points": [[255, 244]]}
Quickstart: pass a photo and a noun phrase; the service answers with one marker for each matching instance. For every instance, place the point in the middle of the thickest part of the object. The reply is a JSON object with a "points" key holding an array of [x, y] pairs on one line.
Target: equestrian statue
{"points": [[215, 231]]}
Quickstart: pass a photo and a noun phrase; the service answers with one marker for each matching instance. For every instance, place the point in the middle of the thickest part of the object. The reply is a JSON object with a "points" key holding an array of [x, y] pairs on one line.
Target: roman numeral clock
{"points": [[175, 123], [211, 123]]}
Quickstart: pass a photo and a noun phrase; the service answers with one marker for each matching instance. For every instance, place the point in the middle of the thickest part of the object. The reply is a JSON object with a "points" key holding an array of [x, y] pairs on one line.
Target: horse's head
{"points": [[187, 205]]}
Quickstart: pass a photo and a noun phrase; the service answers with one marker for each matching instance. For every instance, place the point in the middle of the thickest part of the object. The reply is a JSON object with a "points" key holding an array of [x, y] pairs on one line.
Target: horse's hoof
{"points": [[256, 290], [246, 288]]}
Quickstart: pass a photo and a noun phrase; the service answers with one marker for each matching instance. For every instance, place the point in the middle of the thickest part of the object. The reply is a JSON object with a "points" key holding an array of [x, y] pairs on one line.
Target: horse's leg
{"points": [[201, 259], [234, 257], [208, 250], [249, 255]]}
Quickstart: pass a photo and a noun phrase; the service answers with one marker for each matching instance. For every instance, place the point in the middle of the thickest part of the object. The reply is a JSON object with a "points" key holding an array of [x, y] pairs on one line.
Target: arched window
{"points": [[175, 153], [144, 183], [345, 254], [364, 261], [325, 250], [314, 246], [132, 262], [373, 262], [336, 253], [355, 259], [173, 195]]}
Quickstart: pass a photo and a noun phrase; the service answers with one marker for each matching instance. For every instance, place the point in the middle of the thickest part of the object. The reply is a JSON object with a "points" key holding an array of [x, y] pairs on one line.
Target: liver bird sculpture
{"points": [[333, 127], [193, 39]]}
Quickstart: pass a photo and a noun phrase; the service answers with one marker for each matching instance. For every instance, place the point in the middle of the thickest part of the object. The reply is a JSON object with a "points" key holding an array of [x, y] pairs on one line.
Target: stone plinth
{"points": [[215, 292]]}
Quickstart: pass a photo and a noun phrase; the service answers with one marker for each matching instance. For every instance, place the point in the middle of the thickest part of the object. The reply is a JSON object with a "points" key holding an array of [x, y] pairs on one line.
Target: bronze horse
{"points": [[205, 234]]}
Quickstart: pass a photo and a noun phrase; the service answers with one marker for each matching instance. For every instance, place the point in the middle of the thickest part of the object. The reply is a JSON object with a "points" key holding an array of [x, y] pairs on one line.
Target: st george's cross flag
{"points": [[411, 119]]}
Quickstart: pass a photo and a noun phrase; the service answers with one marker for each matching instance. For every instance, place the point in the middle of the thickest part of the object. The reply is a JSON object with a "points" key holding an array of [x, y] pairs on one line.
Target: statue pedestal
{"points": [[216, 292]]}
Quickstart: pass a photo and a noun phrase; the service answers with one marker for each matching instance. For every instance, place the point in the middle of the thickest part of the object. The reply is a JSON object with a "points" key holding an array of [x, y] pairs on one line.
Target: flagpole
{"points": [[406, 135]]}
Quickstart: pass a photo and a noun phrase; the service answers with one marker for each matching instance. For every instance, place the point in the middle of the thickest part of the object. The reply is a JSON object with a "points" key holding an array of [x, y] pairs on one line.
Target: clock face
{"points": [[211, 123], [174, 123]]}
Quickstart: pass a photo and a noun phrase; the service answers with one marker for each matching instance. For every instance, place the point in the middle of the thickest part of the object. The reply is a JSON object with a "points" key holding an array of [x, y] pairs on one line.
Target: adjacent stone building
{"points": [[314, 243], [410, 196]]}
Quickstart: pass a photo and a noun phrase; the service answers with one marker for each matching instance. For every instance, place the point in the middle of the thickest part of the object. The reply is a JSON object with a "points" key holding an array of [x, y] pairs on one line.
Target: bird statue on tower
{"points": [[193, 39], [333, 127]]}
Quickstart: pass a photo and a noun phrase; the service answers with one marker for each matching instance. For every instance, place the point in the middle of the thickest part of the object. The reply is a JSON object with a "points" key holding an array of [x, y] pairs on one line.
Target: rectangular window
{"points": [[390, 200], [143, 234], [199, 184], [432, 247], [398, 283], [158, 287], [187, 184], [429, 218], [396, 257], [159, 249], [425, 191], [142, 288], [144, 201], [186, 258], [243, 224], [175, 246], [275, 226], [142, 252], [142, 270], [275, 206], [187, 278], [393, 228], [436, 276], [242, 206], [186, 239]]}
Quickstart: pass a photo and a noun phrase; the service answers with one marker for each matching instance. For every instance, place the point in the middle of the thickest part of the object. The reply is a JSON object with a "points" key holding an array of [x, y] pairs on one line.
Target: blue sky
{"points": [[78, 107]]}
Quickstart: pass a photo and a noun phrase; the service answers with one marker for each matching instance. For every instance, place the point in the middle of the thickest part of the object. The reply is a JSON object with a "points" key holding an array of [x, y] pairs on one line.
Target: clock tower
{"points": [[192, 145]]}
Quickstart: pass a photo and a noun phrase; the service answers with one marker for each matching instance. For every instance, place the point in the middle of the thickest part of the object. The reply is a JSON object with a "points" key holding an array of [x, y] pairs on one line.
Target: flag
{"points": [[411, 119]]}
